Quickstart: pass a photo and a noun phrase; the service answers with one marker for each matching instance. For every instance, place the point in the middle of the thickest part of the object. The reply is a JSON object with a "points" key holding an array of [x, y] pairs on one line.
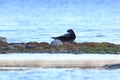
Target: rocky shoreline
{"points": [[45, 47], [58, 47]]}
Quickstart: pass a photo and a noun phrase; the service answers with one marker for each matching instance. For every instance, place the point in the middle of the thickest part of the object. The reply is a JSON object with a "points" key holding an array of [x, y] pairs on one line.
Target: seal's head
{"points": [[69, 30]]}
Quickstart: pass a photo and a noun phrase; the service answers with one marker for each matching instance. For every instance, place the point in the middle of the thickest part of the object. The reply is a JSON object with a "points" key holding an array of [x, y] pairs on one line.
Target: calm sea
{"points": [[39, 20], [60, 74]]}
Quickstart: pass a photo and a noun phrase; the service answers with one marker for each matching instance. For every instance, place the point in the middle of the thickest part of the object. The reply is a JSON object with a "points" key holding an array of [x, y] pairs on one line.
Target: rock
{"points": [[3, 39], [11, 47], [36, 44], [20, 45], [3, 52], [3, 48], [43, 44], [118, 52], [75, 51], [56, 43], [3, 43], [32, 44], [30, 47], [112, 66]]}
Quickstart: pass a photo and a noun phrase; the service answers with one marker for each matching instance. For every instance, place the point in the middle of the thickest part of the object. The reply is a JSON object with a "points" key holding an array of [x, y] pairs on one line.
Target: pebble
{"points": [[3, 39]]}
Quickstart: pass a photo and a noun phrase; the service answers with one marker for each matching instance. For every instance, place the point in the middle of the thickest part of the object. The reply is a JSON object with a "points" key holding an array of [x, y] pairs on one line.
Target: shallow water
{"points": [[60, 74], [39, 20]]}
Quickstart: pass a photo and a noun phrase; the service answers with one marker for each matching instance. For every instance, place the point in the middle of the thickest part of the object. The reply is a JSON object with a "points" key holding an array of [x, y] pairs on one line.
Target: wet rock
{"points": [[20, 45], [11, 47], [112, 66], [3, 39], [56, 43], [3, 48], [29, 47], [3, 52], [43, 44], [32, 44], [57, 46], [3, 43], [118, 52], [74, 51]]}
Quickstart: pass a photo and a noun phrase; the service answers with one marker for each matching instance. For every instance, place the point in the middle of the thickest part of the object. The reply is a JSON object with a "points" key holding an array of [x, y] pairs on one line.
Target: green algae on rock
{"points": [[44, 47]]}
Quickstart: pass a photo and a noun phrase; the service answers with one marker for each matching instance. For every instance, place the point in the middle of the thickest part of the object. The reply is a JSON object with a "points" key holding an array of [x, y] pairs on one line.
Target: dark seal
{"points": [[68, 37]]}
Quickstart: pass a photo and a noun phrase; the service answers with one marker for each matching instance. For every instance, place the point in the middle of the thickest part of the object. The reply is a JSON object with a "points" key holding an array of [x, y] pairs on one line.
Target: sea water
{"points": [[60, 74], [39, 20]]}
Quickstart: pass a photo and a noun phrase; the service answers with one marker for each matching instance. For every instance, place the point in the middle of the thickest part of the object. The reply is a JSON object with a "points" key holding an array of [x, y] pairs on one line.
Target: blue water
{"points": [[60, 74], [38, 20]]}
